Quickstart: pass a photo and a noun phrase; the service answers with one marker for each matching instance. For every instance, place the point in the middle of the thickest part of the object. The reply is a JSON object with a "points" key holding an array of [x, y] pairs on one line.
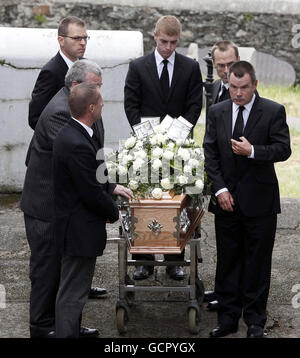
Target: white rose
{"points": [[138, 163], [156, 193], [182, 179], [161, 138], [140, 154], [193, 163], [133, 184], [184, 154], [165, 183], [157, 152], [153, 140], [156, 164], [199, 184], [187, 169], [130, 142], [168, 154], [126, 158], [139, 144]]}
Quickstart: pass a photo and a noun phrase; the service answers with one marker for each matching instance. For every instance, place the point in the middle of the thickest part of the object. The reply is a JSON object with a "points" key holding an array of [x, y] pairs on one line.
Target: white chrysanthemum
{"points": [[156, 193], [166, 184]]}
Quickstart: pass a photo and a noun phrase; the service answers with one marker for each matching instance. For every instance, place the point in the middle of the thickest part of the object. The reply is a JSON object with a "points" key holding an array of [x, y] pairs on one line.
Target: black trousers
{"points": [[244, 257], [44, 276], [75, 284]]}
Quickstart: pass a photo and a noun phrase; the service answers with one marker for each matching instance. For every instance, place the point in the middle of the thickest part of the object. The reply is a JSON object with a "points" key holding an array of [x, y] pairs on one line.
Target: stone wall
{"points": [[265, 25]]}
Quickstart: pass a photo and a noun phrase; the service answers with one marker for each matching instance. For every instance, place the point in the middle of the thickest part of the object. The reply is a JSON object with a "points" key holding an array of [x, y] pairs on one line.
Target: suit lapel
{"points": [[227, 119], [152, 69], [84, 132], [254, 116], [216, 90], [176, 73]]}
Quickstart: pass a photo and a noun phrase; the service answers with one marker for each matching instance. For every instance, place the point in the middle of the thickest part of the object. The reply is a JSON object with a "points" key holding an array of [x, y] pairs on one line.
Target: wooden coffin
{"points": [[162, 226]]}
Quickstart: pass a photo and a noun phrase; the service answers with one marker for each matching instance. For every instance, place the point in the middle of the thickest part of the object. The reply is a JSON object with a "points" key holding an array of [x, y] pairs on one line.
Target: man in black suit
{"points": [[244, 137], [163, 82], [82, 207], [37, 201], [224, 54], [72, 39]]}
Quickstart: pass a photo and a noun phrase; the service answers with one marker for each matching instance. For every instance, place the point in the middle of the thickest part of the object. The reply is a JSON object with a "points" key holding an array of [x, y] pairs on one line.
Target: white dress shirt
{"points": [[88, 129], [245, 113], [159, 64], [226, 85], [66, 59]]}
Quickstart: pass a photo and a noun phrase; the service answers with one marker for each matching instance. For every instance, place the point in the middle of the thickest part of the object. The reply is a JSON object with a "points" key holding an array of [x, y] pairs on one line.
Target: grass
{"points": [[288, 172], [289, 97]]}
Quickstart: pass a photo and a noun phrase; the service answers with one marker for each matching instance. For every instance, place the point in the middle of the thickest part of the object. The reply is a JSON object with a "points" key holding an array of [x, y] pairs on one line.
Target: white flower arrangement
{"points": [[157, 164]]}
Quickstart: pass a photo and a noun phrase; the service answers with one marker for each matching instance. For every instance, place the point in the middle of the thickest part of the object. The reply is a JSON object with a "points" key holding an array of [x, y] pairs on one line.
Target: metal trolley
{"points": [[127, 289]]}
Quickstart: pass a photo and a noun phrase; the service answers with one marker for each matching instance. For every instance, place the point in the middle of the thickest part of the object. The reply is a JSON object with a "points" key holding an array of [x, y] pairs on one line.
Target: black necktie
{"points": [[224, 95], [164, 79], [239, 125]]}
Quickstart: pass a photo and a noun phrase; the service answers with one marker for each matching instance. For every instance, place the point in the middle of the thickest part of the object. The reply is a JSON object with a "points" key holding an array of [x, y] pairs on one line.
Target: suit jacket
{"points": [[216, 88], [37, 196], [50, 80], [144, 97], [255, 189], [82, 205]]}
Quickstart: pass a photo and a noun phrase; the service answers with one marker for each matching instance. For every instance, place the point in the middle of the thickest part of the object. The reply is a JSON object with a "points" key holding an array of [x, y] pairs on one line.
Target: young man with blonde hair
{"points": [[160, 83]]}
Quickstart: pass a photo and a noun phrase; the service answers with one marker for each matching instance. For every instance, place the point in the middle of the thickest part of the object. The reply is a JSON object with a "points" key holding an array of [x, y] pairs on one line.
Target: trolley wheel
{"points": [[122, 319], [194, 320]]}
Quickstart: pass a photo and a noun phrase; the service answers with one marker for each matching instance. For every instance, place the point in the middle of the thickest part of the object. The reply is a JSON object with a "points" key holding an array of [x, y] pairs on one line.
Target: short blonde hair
{"points": [[169, 25]]}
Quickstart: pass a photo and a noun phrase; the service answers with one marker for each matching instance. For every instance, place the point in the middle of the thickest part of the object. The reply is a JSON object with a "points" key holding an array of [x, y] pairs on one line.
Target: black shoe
{"points": [[213, 306], [97, 292], [222, 330], [88, 332], [175, 272], [142, 272], [209, 296], [255, 331]]}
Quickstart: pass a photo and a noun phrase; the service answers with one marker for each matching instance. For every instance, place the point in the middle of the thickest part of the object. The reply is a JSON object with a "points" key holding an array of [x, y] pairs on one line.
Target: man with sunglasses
{"points": [[72, 39]]}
